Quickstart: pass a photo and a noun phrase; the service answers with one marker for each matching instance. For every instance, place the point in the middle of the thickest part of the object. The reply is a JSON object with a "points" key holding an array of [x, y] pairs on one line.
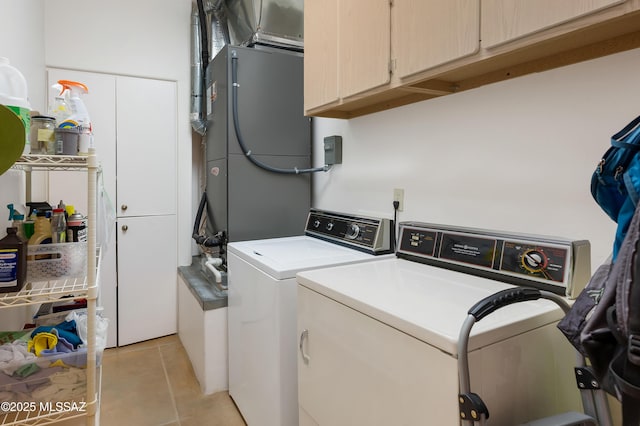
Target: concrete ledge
{"points": [[206, 294]]}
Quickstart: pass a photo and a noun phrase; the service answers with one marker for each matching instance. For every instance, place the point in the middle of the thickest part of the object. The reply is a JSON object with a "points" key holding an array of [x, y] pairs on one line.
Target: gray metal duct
{"points": [[278, 23], [217, 19], [198, 124], [217, 37]]}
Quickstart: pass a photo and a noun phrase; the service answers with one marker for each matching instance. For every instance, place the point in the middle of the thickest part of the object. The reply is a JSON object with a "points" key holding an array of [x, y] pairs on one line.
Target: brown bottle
{"points": [[13, 262]]}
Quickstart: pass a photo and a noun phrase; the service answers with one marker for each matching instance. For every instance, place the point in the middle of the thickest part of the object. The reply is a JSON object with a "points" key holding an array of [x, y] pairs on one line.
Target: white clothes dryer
{"points": [[378, 341], [262, 306]]}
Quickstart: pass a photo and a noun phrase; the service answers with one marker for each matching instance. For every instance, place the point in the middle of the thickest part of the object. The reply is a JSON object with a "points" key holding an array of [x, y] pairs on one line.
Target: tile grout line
{"points": [[166, 376]]}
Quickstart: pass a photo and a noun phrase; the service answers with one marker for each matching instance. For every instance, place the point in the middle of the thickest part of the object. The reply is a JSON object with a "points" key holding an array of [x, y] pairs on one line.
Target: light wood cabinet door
{"points": [[364, 40], [427, 33], [507, 20], [320, 53]]}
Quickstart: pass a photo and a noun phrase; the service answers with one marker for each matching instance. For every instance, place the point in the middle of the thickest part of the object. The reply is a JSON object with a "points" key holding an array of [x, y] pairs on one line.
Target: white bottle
{"points": [[14, 95]]}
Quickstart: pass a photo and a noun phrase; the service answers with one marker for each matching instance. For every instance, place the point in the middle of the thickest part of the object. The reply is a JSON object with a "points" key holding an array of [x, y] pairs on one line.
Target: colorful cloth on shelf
{"points": [[12, 336], [27, 370], [41, 342], [66, 329], [15, 355], [77, 358]]}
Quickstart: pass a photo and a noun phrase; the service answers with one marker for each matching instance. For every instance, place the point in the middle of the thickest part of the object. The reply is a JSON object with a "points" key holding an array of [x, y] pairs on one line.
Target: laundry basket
{"points": [[474, 411]]}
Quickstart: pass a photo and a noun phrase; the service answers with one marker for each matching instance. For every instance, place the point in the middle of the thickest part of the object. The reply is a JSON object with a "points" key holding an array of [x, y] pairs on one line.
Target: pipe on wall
{"points": [[209, 34]]}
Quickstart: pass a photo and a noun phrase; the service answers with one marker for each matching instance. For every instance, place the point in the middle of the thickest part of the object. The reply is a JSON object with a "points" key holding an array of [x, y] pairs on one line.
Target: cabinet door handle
{"points": [[125, 228], [304, 335], [124, 207]]}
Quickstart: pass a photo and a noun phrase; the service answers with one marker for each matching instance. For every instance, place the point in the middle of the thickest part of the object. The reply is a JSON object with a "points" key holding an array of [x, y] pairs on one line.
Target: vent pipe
{"points": [[198, 124], [209, 34]]}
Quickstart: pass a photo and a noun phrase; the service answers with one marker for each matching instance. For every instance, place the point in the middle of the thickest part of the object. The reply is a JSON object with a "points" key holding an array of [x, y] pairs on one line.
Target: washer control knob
{"points": [[316, 223], [353, 231], [329, 226]]}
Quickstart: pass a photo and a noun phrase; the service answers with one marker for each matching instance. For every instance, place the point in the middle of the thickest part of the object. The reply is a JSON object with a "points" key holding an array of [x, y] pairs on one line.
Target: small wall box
{"points": [[333, 150]]}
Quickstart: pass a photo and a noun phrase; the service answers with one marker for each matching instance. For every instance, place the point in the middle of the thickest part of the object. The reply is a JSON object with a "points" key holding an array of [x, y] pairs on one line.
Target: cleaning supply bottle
{"points": [[60, 109], [28, 227], [76, 228], [13, 262], [18, 221], [58, 226], [42, 229], [62, 205], [79, 115], [69, 209], [14, 95]]}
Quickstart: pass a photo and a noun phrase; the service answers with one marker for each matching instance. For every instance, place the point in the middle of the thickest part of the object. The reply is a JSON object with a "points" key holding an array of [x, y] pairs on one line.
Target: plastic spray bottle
{"points": [[79, 115], [60, 109], [18, 220]]}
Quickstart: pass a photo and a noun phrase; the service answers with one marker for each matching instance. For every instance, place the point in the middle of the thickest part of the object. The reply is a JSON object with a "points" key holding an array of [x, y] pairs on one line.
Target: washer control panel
{"points": [[555, 264], [373, 235]]}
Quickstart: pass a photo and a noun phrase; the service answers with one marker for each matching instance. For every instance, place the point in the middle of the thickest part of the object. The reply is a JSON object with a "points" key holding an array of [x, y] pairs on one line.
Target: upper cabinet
{"points": [[364, 45], [356, 47], [321, 53], [433, 32], [507, 20], [364, 56], [347, 49]]}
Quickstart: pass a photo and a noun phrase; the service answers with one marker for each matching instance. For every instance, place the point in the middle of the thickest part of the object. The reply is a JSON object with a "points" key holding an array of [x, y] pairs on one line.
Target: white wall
{"points": [[516, 155], [142, 38], [22, 41]]}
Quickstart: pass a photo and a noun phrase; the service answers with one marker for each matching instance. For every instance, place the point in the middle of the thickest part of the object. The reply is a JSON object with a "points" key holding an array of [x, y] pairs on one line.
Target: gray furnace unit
{"points": [[245, 200]]}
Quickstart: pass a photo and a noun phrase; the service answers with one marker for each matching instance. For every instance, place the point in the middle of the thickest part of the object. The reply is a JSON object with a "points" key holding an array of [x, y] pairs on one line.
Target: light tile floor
{"points": [[152, 384]]}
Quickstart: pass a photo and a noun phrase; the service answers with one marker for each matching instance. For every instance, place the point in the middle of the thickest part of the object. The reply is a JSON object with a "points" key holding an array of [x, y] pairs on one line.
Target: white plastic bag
{"points": [[80, 317], [106, 216]]}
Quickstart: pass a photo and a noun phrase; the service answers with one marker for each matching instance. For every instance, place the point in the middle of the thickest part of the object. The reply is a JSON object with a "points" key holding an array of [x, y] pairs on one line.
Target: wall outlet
{"points": [[398, 195]]}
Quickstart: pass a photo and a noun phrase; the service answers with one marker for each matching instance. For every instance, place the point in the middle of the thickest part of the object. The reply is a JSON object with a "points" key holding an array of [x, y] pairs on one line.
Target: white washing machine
{"points": [[378, 341], [262, 306]]}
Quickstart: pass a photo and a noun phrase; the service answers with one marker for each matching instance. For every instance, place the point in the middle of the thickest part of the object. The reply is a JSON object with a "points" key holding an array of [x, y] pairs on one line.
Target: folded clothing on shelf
{"points": [[43, 364]]}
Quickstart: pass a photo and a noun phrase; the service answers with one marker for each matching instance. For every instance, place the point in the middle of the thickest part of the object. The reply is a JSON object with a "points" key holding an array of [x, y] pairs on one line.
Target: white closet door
{"points": [[147, 280], [146, 121]]}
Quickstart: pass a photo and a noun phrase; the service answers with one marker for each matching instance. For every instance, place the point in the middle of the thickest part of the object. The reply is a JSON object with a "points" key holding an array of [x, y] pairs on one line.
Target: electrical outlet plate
{"points": [[398, 195]]}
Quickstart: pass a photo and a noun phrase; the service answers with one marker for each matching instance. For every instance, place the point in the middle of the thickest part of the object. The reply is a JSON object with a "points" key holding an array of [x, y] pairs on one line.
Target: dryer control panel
{"points": [[372, 235], [559, 265]]}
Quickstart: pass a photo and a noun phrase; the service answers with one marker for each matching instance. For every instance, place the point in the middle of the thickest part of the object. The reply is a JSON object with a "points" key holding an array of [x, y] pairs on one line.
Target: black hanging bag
{"points": [[604, 324]]}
